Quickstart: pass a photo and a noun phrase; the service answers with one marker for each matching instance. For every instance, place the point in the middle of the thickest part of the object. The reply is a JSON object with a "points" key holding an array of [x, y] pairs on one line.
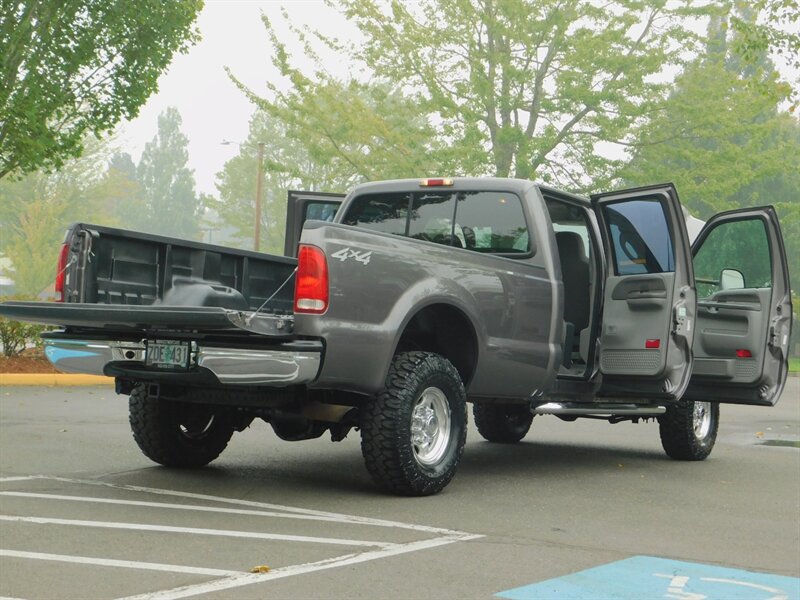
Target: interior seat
{"points": [[575, 274]]}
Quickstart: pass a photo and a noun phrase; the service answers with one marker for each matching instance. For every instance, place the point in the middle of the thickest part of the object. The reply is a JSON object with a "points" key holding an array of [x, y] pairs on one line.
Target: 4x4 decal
{"points": [[346, 253]]}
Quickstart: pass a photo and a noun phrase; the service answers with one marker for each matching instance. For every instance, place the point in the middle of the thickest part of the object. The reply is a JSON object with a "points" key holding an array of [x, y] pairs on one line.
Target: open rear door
{"points": [[649, 302], [307, 206], [744, 312]]}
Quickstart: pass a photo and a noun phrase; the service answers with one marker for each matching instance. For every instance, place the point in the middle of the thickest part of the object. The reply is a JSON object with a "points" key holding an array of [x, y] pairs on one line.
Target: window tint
{"points": [[320, 211], [640, 237], [567, 217], [379, 212], [734, 246], [492, 222], [432, 217]]}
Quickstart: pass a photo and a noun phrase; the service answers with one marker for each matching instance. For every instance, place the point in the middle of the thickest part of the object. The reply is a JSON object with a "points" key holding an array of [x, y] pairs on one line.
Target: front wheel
{"points": [[413, 433], [177, 434], [689, 429]]}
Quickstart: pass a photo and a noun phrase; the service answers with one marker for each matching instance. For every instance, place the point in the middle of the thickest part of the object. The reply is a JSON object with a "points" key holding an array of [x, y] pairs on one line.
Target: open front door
{"points": [[649, 301], [307, 206], [744, 312]]}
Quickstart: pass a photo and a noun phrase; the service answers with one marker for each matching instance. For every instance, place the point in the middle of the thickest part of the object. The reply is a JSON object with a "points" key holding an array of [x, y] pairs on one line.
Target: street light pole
{"points": [[259, 190]]}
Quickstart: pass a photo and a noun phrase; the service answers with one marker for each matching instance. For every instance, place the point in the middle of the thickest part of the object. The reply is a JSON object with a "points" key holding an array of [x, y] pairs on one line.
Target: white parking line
{"points": [[331, 563], [195, 530], [189, 507], [228, 579], [262, 505], [108, 562]]}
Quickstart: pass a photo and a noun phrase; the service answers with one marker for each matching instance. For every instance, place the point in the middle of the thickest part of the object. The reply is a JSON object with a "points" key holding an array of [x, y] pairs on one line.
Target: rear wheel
{"points": [[502, 423], [689, 429], [178, 434], [413, 433]]}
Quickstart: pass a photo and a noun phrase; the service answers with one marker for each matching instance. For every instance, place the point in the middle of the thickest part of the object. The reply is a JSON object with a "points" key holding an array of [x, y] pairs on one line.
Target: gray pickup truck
{"points": [[407, 299]]}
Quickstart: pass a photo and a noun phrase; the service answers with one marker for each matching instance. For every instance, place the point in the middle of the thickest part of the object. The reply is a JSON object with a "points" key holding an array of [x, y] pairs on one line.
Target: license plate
{"points": [[173, 355]]}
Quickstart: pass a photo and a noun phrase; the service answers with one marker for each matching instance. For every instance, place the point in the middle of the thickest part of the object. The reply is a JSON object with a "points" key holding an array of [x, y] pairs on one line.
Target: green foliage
{"points": [[740, 245], [522, 88], [121, 195], [349, 131], [777, 31], [101, 187], [236, 184], [171, 205], [301, 156], [722, 140], [36, 210], [514, 88], [74, 67], [15, 336]]}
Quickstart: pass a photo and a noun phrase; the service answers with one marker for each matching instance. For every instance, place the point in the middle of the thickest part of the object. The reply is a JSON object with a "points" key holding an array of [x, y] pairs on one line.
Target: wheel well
{"points": [[446, 330]]}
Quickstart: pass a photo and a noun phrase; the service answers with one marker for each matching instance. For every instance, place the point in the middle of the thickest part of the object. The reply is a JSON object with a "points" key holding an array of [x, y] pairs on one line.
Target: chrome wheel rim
{"points": [[430, 426], [701, 419]]}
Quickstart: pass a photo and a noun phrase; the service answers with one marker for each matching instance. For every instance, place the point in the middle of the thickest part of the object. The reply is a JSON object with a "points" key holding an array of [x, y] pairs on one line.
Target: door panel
{"points": [[727, 323], [649, 303], [741, 350], [304, 206], [638, 312]]}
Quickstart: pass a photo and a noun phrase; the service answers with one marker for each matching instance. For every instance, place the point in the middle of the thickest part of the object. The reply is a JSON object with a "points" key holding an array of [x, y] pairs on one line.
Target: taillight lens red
{"points": [[436, 182], [61, 272], [311, 282], [744, 353], [652, 344]]}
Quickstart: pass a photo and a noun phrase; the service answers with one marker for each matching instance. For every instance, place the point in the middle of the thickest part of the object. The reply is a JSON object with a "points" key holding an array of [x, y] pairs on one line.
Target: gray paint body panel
{"points": [[508, 302]]}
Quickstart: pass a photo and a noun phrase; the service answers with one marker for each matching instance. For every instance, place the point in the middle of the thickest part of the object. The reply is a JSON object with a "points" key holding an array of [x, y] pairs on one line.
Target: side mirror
{"points": [[731, 279]]}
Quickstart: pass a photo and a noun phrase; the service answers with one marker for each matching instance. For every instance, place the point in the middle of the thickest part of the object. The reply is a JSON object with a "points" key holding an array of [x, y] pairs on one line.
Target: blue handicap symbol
{"points": [[650, 577]]}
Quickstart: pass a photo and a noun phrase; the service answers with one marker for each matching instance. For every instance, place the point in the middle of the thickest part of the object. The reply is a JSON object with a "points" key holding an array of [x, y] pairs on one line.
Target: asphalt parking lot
{"points": [[84, 515]]}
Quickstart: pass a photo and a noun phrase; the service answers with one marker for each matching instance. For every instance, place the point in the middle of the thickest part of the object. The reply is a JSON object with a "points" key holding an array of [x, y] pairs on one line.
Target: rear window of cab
{"points": [[484, 221]]}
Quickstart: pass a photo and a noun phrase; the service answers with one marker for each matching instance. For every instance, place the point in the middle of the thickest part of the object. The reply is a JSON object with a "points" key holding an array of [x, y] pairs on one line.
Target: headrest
{"points": [[570, 244]]}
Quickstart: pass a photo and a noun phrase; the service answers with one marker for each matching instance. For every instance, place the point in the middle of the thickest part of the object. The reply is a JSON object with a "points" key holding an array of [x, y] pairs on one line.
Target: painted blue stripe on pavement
{"points": [[650, 577]]}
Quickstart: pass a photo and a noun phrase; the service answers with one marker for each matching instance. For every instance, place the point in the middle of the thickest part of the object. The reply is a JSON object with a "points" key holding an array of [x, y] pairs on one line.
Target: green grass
{"points": [[794, 365]]}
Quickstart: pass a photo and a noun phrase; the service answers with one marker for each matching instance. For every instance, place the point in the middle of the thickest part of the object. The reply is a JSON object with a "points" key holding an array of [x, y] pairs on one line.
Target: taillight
{"points": [[311, 283], [61, 273], [652, 344], [744, 353], [436, 182]]}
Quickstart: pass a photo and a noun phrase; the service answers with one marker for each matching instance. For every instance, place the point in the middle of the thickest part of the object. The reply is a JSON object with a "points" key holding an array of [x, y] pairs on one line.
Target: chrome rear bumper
{"points": [[234, 366]]}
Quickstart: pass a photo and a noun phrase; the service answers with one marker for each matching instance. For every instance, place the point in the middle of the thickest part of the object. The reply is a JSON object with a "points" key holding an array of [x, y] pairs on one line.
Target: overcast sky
{"points": [[212, 108]]}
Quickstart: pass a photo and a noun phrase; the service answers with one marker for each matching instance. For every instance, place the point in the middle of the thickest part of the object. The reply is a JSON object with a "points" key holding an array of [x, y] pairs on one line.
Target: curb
{"points": [[53, 379]]}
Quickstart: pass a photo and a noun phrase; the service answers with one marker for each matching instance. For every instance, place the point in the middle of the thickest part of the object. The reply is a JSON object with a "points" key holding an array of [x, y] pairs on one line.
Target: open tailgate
{"points": [[148, 319]]}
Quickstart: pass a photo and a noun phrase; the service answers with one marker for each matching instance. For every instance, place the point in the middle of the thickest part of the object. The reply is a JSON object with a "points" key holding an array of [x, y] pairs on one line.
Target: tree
{"points": [[350, 131], [715, 138], [514, 88], [775, 31], [120, 193], [287, 165], [75, 67], [35, 211], [168, 187]]}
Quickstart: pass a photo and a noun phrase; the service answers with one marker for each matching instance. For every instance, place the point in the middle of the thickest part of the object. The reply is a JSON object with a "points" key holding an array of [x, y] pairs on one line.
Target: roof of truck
{"points": [[454, 183]]}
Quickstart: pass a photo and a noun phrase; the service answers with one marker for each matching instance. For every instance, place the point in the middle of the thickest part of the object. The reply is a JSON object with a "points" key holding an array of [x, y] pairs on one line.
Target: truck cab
{"points": [[637, 321]]}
